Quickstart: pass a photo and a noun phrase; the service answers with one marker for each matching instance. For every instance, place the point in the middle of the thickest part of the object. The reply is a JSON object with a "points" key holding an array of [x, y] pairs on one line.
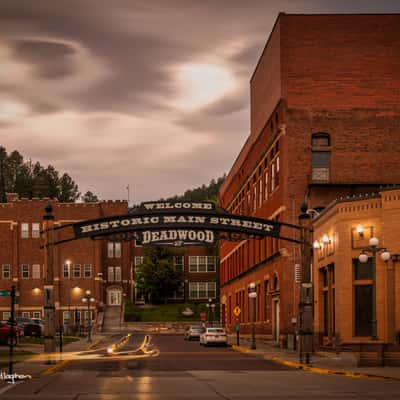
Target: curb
{"points": [[62, 364], [318, 370]]}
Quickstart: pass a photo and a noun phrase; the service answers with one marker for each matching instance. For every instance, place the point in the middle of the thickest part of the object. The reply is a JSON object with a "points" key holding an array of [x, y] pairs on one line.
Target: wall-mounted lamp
{"points": [[360, 230], [325, 239], [316, 245]]}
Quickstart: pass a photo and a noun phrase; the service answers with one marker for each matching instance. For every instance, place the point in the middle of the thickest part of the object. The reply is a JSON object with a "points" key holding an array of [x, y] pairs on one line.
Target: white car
{"points": [[214, 336]]}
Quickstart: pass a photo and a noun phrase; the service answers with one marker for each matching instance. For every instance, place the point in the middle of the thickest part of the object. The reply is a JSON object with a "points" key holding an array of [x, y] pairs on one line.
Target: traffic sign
{"points": [[5, 293], [237, 311], [203, 316]]}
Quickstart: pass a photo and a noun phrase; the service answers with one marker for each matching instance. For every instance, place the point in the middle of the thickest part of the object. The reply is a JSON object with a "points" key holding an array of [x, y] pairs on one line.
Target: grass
{"points": [[165, 312], [18, 357], [35, 340]]}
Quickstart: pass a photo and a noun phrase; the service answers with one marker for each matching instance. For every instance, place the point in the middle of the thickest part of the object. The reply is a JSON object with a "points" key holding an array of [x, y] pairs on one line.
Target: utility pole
{"points": [[49, 309], [306, 289]]}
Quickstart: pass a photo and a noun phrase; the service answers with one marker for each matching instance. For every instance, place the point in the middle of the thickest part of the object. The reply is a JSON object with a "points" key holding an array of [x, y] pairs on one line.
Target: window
{"points": [[362, 297], [248, 201], [26, 314], [6, 271], [272, 177], [88, 314], [35, 230], [118, 274], [266, 297], [180, 293], [24, 271], [6, 315], [201, 264], [77, 316], [66, 317], [320, 157], [87, 271], [277, 171], [202, 290], [266, 185], [35, 271], [77, 270], [110, 274], [254, 197], [24, 230], [37, 314], [117, 249], [114, 249], [260, 192], [110, 249], [138, 261], [179, 263], [66, 271]]}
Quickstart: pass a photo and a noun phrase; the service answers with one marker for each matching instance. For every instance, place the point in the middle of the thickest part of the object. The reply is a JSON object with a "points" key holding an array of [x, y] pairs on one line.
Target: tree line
{"points": [[30, 179]]}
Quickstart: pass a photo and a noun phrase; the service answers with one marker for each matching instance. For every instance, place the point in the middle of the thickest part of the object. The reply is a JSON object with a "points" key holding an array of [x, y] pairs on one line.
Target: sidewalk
{"points": [[344, 363], [36, 368]]}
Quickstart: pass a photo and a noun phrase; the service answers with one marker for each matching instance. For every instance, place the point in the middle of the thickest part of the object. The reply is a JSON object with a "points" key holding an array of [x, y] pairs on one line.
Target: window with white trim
{"points": [[35, 230], [35, 271], [179, 263], [254, 197], [66, 317], [6, 271], [37, 314], [77, 270], [110, 274], [114, 249], [87, 315], [202, 290], [118, 274], [26, 314], [25, 271], [272, 177], [266, 185], [138, 261], [260, 192], [201, 264], [24, 230], [6, 315], [66, 271], [87, 271]]}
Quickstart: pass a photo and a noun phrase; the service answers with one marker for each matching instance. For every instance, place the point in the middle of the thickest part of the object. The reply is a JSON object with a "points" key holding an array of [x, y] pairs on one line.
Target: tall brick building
{"points": [[325, 108], [106, 268]]}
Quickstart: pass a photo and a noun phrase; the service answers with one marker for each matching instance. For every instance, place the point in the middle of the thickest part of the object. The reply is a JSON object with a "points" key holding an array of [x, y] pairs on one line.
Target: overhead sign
{"points": [[163, 206], [237, 311]]}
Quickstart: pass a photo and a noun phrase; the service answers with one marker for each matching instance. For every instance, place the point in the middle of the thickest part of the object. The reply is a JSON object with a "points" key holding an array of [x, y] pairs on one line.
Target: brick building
{"points": [[343, 285], [324, 117], [104, 267]]}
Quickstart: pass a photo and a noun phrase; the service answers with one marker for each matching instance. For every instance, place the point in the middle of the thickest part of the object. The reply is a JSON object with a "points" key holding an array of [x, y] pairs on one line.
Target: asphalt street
{"points": [[171, 368]]}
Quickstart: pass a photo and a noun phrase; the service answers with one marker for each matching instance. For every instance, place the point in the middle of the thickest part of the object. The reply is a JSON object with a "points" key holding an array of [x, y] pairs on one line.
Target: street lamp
{"points": [[363, 258], [209, 307], [89, 299], [252, 297]]}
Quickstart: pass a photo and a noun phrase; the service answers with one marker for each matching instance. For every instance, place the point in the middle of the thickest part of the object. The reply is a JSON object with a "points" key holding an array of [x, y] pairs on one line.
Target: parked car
{"points": [[22, 321], [213, 336], [32, 329], [193, 332], [40, 323], [5, 332]]}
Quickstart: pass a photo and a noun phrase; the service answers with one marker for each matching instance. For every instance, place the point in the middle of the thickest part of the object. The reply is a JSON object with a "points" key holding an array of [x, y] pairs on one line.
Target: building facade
{"points": [[106, 268], [343, 284], [323, 123]]}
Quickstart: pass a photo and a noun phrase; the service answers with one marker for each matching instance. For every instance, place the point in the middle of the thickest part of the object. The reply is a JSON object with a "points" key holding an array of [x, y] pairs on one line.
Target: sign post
{"points": [[12, 333], [236, 313]]}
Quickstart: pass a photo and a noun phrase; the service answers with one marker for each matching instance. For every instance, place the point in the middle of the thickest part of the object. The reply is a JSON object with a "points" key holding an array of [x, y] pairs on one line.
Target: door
{"points": [[276, 320], [114, 297]]}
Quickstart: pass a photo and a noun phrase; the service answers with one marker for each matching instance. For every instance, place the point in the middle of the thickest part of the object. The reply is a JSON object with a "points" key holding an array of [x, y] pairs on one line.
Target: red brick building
{"points": [[324, 118], [104, 267]]}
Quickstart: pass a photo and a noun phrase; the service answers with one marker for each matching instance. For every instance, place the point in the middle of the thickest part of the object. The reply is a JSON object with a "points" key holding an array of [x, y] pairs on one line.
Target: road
{"points": [[186, 370]]}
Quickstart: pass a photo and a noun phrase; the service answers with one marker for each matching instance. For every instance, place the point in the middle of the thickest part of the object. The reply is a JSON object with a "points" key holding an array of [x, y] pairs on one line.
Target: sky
{"points": [[153, 94]]}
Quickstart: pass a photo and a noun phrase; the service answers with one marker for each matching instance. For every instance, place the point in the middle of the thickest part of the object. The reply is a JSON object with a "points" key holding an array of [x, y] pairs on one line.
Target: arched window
{"points": [[320, 157], [276, 283]]}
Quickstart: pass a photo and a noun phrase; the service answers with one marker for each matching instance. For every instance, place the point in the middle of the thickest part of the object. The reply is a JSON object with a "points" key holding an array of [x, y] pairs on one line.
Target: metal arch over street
{"points": [[177, 223]]}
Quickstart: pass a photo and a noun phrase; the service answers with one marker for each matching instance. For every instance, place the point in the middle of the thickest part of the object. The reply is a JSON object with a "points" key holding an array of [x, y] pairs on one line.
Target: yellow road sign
{"points": [[237, 311]]}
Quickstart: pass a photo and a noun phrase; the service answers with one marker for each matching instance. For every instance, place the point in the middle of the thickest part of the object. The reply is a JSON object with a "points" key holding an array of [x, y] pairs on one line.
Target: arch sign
{"points": [[177, 224]]}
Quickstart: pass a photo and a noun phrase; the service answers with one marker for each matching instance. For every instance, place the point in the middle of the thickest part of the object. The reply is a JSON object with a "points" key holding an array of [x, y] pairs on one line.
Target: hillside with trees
{"points": [[201, 193], [30, 180]]}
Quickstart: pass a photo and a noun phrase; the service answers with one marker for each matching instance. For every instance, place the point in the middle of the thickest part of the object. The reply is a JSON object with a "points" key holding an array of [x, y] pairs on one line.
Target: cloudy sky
{"points": [[150, 93]]}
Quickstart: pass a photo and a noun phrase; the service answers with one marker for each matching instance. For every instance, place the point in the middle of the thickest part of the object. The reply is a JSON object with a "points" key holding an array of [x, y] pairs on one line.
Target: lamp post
{"points": [[213, 314], [363, 258], [89, 299], [252, 298], [209, 304]]}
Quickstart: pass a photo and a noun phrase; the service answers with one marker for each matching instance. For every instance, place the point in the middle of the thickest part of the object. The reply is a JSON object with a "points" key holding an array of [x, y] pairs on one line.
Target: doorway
{"points": [[114, 297]]}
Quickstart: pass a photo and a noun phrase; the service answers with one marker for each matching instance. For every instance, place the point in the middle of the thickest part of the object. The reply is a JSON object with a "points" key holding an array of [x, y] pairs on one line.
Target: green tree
{"points": [[90, 197], [69, 191], [157, 277]]}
